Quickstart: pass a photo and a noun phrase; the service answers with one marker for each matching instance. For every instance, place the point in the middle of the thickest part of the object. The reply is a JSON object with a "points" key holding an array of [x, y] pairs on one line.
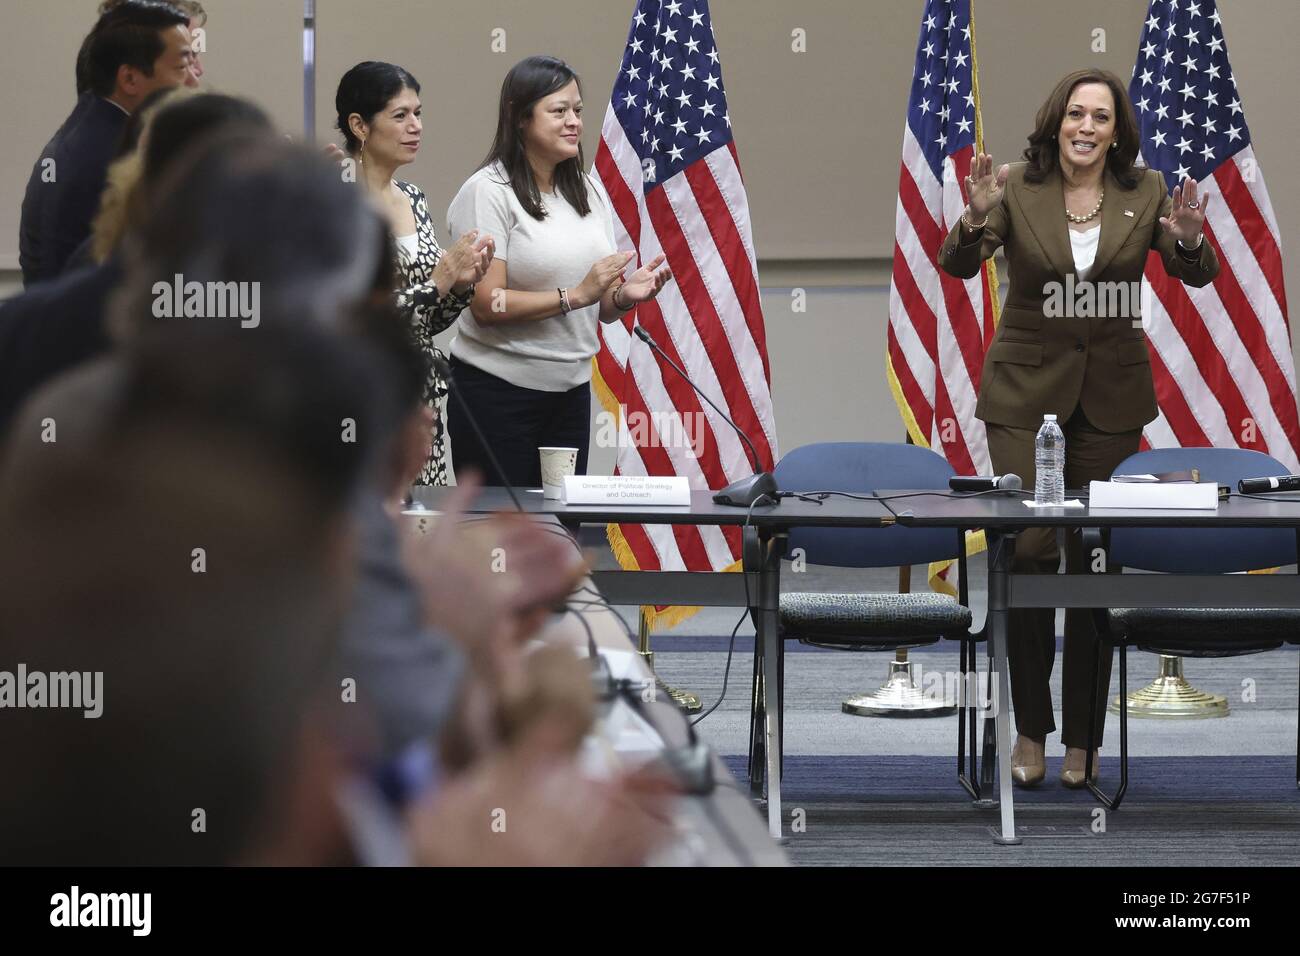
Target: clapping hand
{"points": [[464, 263], [645, 283], [489, 583], [553, 814], [601, 277], [334, 153]]}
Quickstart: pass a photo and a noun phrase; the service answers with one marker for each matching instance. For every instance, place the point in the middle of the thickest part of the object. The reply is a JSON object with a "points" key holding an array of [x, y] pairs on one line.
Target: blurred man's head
{"points": [[167, 124], [136, 47], [198, 22], [253, 208]]}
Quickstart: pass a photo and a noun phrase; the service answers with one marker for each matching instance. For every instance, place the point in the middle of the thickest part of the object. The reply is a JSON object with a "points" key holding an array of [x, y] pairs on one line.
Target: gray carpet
{"points": [[879, 792]]}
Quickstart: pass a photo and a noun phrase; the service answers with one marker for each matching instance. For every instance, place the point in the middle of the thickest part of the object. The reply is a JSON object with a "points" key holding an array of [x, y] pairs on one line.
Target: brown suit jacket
{"points": [[1048, 355]]}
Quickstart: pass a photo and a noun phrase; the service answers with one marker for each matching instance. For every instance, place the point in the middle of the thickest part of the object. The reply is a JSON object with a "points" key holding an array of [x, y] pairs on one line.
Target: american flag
{"points": [[939, 326], [1221, 355], [668, 162]]}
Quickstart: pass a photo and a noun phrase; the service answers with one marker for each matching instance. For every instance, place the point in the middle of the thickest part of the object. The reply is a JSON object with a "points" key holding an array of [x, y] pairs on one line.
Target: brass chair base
{"points": [[898, 697], [1170, 697], [687, 700]]}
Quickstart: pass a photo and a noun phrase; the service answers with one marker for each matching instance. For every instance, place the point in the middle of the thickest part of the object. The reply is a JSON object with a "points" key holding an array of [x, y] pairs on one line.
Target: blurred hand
{"points": [[334, 153], [531, 806], [492, 580]]}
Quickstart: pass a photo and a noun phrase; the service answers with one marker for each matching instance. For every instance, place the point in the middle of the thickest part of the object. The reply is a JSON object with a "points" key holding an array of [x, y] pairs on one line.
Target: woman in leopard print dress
{"points": [[379, 115]]}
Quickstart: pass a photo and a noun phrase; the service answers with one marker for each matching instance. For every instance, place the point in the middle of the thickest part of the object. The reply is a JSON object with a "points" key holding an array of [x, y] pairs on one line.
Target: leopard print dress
{"points": [[429, 312]]}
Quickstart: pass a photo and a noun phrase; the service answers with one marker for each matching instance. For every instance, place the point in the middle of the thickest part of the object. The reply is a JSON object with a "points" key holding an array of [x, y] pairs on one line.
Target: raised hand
{"points": [[1187, 217], [334, 153], [983, 188], [645, 283]]}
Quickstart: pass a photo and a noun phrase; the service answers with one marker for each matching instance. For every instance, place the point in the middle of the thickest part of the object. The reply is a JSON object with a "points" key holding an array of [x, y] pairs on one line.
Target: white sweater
{"points": [[550, 355]]}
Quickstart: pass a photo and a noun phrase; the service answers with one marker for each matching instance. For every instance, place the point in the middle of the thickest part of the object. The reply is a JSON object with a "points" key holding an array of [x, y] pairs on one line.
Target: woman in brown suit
{"points": [[1076, 212]]}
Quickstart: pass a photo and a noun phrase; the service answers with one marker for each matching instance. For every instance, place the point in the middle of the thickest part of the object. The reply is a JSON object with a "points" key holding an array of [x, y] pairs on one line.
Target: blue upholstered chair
{"points": [[873, 622], [1194, 632]]}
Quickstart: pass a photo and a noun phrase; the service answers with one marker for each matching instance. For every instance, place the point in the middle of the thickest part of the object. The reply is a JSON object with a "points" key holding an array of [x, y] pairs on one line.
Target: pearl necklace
{"points": [[1092, 215]]}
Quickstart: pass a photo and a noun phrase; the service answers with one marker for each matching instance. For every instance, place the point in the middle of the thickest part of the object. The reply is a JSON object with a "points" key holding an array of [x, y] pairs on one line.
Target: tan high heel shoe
{"points": [[1028, 761], [1073, 766]]}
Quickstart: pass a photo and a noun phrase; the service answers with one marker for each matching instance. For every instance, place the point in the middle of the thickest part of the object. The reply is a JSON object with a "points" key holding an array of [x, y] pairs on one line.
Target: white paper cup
{"points": [[557, 464], [418, 521]]}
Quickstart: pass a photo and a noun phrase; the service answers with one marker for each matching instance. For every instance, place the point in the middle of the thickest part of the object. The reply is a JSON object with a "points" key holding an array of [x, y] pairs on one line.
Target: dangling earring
{"points": [[361, 154]]}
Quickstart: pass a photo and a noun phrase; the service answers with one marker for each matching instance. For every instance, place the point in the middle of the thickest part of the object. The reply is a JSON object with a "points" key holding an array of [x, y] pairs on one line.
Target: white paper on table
{"points": [[670, 490], [1072, 503], [1200, 496]]}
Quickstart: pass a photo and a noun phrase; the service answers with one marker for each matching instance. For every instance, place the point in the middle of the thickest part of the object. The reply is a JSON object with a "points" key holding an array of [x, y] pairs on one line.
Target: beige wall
{"points": [[818, 132]]}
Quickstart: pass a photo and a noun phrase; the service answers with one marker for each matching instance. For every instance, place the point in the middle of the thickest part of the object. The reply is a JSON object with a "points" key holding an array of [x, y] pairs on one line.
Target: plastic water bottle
{"points": [[1049, 463]]}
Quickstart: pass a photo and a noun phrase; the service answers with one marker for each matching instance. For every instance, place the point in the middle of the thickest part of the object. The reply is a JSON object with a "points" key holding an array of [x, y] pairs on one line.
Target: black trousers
{"points": [[1090, 455], [516, 422]]}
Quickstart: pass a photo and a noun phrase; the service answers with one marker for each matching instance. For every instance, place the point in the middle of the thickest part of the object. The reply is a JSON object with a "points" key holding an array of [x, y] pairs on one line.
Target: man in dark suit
{"points": [[137, 47], [50, 328]]}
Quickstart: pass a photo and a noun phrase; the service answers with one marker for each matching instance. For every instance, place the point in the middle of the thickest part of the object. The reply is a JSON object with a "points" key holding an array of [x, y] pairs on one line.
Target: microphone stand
{"points": [[743, 492]]}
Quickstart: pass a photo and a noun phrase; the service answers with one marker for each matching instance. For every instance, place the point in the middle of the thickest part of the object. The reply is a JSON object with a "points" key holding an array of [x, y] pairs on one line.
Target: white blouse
{"points": [[1084, 245], [409, 245]]}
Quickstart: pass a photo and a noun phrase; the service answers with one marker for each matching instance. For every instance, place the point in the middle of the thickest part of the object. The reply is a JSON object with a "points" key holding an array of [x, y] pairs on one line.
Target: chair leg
{"points": [[966, 713], [780, 704], [1111, 803], [961, 716], [757, 755], [989, 754]]}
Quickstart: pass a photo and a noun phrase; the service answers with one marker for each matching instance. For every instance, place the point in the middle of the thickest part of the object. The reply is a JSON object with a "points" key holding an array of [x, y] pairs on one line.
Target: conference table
{"points": [[1002, 515]]}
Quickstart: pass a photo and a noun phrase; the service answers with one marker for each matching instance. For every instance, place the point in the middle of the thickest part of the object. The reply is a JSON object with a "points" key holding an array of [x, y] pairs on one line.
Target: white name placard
{"points": [[626, 490], [1198, 496]]}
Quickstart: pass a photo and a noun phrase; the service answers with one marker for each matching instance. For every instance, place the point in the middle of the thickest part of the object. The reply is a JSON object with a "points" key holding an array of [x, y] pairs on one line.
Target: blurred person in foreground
{"points": [[202, 572], [225, 218]]}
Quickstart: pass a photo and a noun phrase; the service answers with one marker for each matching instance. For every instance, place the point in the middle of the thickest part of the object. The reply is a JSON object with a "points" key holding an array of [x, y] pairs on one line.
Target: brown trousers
{"points": [[1090, 455]]}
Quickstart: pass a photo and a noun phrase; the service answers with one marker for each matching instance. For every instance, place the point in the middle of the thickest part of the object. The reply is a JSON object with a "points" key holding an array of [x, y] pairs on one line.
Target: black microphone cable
{"points": [[443, 368]]}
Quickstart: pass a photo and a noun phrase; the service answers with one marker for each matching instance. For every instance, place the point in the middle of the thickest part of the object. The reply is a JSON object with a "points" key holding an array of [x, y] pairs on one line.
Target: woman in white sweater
{"points": [[522, 353]]}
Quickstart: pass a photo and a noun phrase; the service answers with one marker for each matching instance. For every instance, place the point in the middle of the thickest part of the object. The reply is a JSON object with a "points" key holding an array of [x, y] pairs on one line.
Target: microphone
{"points": [[443, 368], [984, 483], [1253, 486], [745, 491]]}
